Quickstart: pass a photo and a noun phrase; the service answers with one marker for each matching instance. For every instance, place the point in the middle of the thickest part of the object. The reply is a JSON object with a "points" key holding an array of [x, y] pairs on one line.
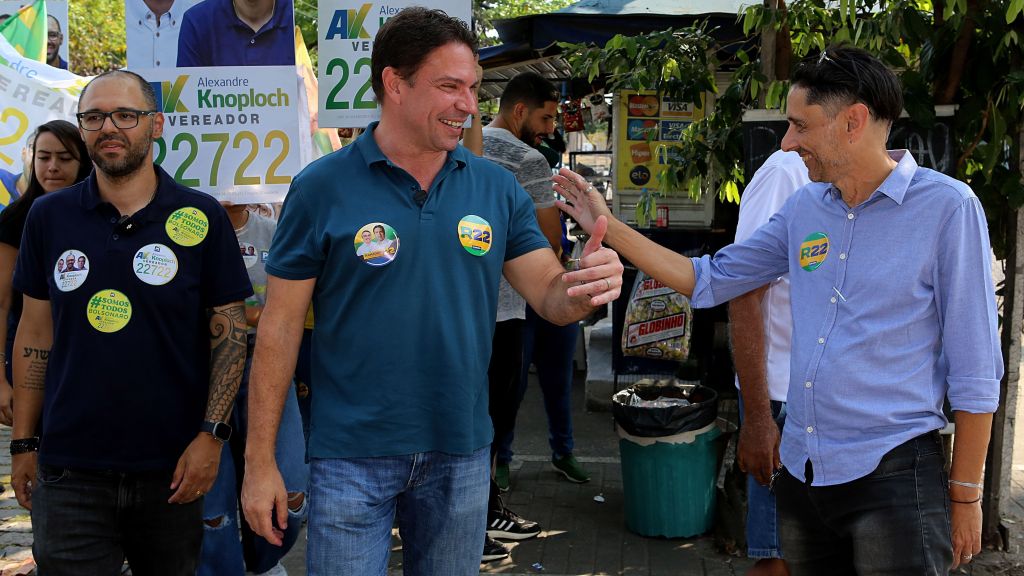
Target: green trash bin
{"points": [[668, 482]]}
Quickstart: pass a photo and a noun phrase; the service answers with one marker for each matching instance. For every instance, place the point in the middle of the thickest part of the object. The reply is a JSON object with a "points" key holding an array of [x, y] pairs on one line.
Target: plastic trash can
{"points": [[669, 459]]}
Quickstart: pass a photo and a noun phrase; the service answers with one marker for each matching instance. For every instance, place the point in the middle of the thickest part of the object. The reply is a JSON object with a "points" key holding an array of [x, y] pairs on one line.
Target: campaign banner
{"points": [[31, 93], [57, 13], [648, 126], [152, 39], [204, 33], [230, 132], [345, 31]]}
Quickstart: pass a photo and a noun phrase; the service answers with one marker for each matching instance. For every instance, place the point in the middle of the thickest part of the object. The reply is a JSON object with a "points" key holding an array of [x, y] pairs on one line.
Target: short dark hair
{"points": [[148, 94], [843, 75], [69, 137], [529, 88], [405, 40]]}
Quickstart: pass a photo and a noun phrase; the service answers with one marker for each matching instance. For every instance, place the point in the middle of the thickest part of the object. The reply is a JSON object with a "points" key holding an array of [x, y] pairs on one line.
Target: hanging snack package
{"points": [[658, 321]]}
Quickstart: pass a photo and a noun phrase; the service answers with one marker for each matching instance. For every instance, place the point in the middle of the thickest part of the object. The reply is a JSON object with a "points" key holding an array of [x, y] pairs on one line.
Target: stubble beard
{"points": [[134, 157]]}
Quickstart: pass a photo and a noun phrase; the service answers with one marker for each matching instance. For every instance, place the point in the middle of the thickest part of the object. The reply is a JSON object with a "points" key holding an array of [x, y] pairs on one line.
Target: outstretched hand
{"points": [[582, 201], [599, 270]]}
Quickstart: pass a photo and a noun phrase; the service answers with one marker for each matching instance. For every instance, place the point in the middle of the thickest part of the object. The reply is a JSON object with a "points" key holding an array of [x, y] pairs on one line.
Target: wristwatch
{"points": [[23, 445], [219, 430]]}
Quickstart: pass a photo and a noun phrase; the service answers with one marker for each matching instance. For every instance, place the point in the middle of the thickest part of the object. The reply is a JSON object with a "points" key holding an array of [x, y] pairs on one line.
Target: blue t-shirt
{"points": [[128, 373], [213, 35], [405, 312]]}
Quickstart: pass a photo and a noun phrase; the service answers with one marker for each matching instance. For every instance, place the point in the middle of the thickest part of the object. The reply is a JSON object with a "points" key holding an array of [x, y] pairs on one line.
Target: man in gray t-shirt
{"points": [[526, 114]]}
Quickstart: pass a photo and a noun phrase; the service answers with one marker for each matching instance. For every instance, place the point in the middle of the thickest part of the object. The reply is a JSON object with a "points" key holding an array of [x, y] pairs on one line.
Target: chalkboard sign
{"points": [[932, 148]]}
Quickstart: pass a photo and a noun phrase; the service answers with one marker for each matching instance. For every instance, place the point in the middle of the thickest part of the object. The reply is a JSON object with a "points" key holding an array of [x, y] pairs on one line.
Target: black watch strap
{"points": [[23, 445], [219, 430]]}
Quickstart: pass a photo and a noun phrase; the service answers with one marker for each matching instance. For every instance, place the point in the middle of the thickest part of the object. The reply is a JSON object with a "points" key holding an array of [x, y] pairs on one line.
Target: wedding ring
{"points": [[608, 285], [967, 557]]}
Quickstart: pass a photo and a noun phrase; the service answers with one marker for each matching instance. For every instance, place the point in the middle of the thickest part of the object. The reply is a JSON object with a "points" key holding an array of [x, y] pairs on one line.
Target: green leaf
{"points": [[1015, 8], [595, 70], [694, 188]]}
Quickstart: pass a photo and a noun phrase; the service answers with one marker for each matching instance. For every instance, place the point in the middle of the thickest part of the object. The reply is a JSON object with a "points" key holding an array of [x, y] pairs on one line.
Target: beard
{"points": [[135, 155], [528, 136]]}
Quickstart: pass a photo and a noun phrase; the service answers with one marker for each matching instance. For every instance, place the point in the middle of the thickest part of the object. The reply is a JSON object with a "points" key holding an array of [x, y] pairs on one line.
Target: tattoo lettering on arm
{"points": [[227, 358], [35, 376]]}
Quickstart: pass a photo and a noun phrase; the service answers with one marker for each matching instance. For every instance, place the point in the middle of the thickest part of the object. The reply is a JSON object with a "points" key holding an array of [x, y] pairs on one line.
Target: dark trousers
{"points": [[88, 522], [894, 521], [503, 377]]}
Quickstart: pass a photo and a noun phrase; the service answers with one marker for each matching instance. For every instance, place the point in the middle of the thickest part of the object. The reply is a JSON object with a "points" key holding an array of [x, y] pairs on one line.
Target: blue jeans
{"points": [[762, 516], [440, 500], [894, 521], [551, 349], [88, 522], [223, 553]]}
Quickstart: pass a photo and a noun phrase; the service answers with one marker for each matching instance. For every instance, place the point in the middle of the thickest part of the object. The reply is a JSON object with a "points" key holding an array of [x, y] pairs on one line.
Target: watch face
{"points": [[222, 431], [219, 430]]}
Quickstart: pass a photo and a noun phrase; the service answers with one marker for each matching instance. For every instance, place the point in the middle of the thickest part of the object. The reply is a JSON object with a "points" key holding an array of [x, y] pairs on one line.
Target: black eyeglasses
{"points": [[123, 118]]}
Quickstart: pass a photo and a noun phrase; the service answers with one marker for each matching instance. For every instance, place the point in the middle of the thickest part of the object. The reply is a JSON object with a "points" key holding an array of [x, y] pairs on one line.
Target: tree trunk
{"points": [[946, 87], [998, 463], [768, 36]]}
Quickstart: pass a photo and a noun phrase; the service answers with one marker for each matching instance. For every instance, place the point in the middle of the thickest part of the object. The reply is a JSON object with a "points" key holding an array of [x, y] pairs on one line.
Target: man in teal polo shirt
{"points": [[400, 424]]}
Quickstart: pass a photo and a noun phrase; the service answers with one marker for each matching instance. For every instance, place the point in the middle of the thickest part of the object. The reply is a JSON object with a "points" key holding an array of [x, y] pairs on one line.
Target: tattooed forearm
{"points": [[35, 375], [227, 358], [37, 353]]}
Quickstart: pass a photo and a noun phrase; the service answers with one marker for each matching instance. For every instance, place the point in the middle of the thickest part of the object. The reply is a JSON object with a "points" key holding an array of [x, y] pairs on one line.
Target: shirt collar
{"points": [[137, 10], [227, 10], [372, 153], [895, 184], [163, 198]]}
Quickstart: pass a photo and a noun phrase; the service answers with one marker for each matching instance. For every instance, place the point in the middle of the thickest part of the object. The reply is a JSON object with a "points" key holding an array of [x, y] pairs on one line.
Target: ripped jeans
{"points": [[229, 546]]}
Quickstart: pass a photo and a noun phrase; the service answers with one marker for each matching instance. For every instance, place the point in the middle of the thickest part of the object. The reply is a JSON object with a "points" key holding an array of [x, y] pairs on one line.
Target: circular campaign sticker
{"points": [[70, 270], [475, 235], [109, 311], [813, 251], [187, 226], [376, 244], [155, 264], [249, 255]]}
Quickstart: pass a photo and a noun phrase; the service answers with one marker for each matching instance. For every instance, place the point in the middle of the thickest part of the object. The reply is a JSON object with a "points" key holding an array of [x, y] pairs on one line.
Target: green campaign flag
{"points": [[26, 30]]}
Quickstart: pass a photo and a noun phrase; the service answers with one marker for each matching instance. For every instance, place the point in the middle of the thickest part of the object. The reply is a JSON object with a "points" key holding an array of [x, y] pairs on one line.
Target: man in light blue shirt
{"points": [[893, 311]]}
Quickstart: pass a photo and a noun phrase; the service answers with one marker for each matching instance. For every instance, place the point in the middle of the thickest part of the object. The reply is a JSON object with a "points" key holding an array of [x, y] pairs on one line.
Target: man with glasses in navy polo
{"points": [[125, 370], [893, 312]]}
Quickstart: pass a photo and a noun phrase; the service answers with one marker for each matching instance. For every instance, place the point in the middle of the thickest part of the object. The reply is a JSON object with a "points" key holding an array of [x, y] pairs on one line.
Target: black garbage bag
{"points": [[663, 408]]}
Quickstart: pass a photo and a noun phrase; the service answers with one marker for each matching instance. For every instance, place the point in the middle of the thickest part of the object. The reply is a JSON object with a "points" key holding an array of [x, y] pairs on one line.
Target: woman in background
{"points": [[59, 159]]}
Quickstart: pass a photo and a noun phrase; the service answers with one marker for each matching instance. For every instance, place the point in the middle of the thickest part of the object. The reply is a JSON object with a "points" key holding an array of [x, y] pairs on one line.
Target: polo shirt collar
{"points": [[163, 199], [227, 14], [372, 153], [895, 184]]}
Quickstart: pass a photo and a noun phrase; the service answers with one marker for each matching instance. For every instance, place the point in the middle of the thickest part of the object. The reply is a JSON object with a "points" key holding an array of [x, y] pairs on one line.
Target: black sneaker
{"points": [[493, 550], [507, 525]]}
